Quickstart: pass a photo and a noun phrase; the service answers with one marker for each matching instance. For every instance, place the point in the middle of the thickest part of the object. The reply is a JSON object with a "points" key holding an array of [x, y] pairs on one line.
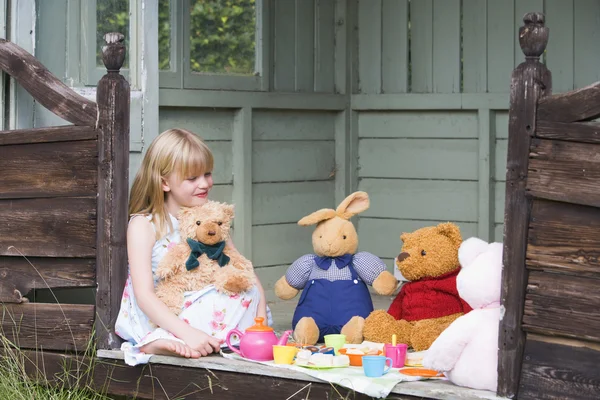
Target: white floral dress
{"points": [[208, 310]]}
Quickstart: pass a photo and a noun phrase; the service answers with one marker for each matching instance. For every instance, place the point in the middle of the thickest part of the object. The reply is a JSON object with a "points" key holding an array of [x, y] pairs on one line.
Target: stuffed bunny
{"points": [[335, 298]]}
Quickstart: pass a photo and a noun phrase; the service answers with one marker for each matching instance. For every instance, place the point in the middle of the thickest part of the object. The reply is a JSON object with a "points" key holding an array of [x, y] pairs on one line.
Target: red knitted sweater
{"points": [[429, 298]]}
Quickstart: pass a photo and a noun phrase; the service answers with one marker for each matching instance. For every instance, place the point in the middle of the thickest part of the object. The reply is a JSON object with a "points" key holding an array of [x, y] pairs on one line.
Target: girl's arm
{"points": [[262, 305], [140, 240]]}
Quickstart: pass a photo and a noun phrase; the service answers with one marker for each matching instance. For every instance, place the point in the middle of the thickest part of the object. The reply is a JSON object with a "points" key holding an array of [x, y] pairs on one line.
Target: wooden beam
{"points": [[565, 171], [19, 275], [48, 227], [159, 381], [563, 238], [62, 327], [45, 87], [563, 370], [113, 187], [47, 135], [587, 132], [485, 217], [58, 169], [530, 81], [562, 305], [577, 105]]}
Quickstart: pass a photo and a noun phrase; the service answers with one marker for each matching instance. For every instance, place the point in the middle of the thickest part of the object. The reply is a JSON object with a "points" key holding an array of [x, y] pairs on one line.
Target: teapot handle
{"points": [[231, 347]]}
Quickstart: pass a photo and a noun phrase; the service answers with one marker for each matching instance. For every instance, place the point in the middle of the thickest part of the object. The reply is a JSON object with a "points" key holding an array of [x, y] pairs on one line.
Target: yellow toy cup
{"points": [[284, 354], [335, 341]]}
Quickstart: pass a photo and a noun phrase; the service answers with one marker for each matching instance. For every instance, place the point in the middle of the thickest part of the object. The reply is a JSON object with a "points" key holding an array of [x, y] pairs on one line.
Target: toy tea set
{"points": [[259, 343]]}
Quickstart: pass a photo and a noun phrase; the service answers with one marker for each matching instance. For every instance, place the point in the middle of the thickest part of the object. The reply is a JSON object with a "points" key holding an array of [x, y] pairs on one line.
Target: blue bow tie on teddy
{"points": [[214, 252], [340, 261]]}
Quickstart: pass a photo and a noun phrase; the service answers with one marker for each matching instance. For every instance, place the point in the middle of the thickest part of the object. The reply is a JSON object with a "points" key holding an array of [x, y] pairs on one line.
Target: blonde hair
{"points": [[177, 151]]}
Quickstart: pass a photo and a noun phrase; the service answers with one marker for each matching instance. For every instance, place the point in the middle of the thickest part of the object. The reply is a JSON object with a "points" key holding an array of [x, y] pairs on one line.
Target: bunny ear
{"points": [[317, 217], [354, 204]]}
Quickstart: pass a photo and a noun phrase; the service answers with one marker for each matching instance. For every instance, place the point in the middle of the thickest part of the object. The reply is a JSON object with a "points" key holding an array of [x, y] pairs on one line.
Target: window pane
{"points": [[111, 16], [164, 35], [222, 36]]}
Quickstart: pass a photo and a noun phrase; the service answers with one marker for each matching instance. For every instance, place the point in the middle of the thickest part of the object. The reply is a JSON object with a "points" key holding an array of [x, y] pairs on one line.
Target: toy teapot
{"points": [[257, 343]]}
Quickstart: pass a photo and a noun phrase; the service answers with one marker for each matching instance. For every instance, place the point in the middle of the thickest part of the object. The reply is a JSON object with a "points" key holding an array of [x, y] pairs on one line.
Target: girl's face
{"points": [[189, 192]]}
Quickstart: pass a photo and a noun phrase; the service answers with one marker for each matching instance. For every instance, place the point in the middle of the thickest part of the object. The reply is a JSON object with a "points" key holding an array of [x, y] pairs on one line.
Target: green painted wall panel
{"points": [[421, 46], [369, 42], [221, 192], [499, 233], [501, 124], [446, 46], [474, 46], [499, 201], [394, 43], [280, 244], [382, 236], [305, 43], [501, 38], [281, 161], [421, 199], [324, 45], [559, 53], [223, 161], [586, 39], [285, 41], [418, 158], [288, 202], [292, 125], [418, 124], [209, 124], [500, 158]]}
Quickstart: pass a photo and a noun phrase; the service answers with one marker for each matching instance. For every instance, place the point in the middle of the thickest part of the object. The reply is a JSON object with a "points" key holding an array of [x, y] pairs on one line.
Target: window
{"points": [[218, 44]]}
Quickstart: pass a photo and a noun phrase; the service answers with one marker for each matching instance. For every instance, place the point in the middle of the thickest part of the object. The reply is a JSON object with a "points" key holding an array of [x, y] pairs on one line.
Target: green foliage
{"points": [[222, 33], [222, 36]]}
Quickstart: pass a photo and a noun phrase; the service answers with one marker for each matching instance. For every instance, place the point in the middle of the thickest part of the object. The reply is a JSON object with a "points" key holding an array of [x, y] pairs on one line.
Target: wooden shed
{"points": [[406, 99]]}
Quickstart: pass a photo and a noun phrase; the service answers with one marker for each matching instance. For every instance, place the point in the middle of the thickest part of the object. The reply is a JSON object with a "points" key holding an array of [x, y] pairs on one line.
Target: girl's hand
{"points": [[201, 341]]}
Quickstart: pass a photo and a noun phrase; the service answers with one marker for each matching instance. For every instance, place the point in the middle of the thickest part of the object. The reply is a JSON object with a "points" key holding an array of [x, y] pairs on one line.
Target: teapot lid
{"points": [[259, 327]]}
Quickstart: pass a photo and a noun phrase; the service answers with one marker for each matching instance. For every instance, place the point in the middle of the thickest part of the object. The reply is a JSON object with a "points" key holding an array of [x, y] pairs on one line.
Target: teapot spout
{"points": [[284, 338]]}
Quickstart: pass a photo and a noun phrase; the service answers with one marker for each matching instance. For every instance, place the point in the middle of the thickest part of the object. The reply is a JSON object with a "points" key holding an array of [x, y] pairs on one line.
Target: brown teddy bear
{"points": [[203, 257], [428, 303], [335, 297]]}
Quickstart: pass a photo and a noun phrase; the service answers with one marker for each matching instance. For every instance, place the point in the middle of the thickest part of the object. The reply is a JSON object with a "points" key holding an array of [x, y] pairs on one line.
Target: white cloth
{"points": [[208, 310]]}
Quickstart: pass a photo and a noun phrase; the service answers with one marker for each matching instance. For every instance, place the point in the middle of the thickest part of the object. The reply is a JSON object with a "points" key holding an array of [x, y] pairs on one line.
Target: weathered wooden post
{"points": [[112, 98], [530, 81]]}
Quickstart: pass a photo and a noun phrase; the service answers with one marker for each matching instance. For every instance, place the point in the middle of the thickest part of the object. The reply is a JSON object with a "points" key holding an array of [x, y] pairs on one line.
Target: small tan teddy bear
{"points": [[203, 257]]}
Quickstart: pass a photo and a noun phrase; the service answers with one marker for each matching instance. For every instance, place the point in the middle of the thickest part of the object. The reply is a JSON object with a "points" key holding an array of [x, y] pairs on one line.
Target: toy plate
{"points": [[428, 373], [321, 366]]}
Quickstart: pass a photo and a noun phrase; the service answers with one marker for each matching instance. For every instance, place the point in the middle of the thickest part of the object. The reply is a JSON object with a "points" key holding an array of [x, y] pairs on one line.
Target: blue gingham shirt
{"points": [[367, 267]]}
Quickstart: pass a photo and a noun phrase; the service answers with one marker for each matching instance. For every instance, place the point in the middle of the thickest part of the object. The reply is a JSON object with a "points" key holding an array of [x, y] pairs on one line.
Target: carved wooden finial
{"points": [[113, 53], [533, 36]]}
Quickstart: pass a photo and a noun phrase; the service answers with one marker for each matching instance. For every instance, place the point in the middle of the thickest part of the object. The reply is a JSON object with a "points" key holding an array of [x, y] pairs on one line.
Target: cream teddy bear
{"points": [[467, 351], [203, 257]]}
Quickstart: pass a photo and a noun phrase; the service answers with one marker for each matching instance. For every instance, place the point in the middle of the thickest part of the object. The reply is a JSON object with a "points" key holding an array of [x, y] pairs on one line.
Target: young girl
{"points": [[176, 172]]}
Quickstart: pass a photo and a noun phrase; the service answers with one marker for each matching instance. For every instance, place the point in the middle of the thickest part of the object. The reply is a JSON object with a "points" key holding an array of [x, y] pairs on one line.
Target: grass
{"points": [[16, 384]]}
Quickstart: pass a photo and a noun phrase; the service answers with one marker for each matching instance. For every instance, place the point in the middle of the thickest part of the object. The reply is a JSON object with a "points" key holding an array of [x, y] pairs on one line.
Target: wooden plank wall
{"points": [[48, 233]]}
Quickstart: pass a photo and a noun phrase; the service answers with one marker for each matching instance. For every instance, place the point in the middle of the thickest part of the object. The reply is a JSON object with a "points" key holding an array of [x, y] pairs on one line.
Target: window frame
{"points": [[180, 76]]}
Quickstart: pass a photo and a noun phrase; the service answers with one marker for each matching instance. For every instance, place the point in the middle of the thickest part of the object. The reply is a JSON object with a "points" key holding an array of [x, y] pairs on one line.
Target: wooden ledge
{"points": [[428, 389]]}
